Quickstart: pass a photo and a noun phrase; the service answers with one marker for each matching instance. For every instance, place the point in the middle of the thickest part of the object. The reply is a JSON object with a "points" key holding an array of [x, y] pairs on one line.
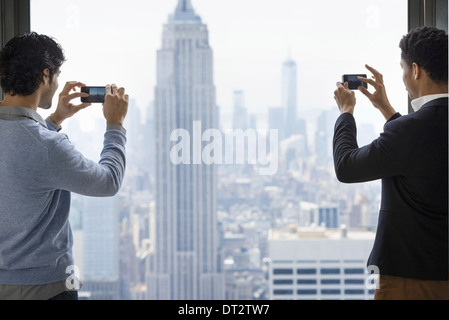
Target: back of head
{"points": [[427, 47], [23, 61]]}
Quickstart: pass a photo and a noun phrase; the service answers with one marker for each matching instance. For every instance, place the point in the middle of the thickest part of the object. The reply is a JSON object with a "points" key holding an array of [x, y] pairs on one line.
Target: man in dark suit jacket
{"points": [[410, 250]]}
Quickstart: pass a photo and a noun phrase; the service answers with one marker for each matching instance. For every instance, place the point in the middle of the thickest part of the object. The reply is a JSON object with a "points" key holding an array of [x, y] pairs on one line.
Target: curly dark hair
{"points": [[427, 47], [24, 59]]}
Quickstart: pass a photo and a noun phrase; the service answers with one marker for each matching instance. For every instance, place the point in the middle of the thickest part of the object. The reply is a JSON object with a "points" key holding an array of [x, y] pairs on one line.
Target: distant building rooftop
{"points": [[294, 232], [184, 13]]}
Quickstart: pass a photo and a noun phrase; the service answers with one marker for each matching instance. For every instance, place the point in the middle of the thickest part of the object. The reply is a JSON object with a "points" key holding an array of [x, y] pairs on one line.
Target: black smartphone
{"points": [[96, 94], [353, 82]]}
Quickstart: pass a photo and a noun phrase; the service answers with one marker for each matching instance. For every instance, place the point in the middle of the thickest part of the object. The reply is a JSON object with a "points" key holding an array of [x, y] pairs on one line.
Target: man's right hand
{"points": [[115, 105], [379, 98]]}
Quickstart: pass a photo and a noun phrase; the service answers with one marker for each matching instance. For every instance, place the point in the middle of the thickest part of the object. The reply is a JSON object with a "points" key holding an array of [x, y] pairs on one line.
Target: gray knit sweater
{"points": [[39, 168]]}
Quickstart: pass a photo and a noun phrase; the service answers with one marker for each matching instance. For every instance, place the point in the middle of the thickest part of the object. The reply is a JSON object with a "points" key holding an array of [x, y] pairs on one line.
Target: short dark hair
{"points": [[24, 59], [427, 47]]}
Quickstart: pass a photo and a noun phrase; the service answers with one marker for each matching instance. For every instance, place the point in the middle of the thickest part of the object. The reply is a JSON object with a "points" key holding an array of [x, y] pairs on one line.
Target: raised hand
{"points": [[379, 97], [345, 98], [115, 106], [66, 108]]}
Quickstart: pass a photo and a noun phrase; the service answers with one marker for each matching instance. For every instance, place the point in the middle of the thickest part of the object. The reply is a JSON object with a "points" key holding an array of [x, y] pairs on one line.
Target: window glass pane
{"points": [[330, 291], [282, 271], [282, 291], [354, 271], [330, 271], [306, 281], [306, 271], [236, 65], [306, 291], [354, 281], [354, 291], [282, 281], [330, 281]]}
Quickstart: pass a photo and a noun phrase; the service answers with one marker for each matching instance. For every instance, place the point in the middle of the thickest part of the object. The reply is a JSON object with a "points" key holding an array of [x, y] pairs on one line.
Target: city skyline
{"points": [[248, 51]]}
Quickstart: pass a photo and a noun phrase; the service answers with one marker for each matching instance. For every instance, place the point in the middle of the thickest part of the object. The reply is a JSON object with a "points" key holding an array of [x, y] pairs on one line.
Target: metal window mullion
{"points": [[14, 19], [424, 13]]}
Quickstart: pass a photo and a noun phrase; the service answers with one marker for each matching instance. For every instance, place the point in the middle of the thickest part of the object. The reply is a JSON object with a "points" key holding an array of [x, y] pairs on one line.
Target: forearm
{"points": [[70, 170], [388, 112], [113, 157], [384, 157], [344, 142]]}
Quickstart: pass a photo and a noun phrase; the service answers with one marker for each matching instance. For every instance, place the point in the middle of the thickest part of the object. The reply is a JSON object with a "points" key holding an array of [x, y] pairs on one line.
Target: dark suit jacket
{"points": [[411, 158]]}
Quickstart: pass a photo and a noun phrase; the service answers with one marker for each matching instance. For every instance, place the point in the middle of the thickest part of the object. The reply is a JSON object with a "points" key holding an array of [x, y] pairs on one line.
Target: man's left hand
{"points": [[66, 108]]}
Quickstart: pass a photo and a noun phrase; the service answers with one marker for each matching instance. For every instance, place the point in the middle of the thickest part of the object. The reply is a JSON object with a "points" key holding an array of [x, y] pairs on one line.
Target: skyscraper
{"points": [[101, 248], [289, 96], [186, 262], [240, 114], [316, 263]]}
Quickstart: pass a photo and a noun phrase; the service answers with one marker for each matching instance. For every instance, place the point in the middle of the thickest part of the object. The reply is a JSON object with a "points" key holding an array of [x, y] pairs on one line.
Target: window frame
{"points": [[15, 18], [431, 13]]}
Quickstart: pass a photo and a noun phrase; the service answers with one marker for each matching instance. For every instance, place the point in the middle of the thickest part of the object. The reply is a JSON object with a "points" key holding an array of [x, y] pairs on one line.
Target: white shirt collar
{"points": [[419, 102]]}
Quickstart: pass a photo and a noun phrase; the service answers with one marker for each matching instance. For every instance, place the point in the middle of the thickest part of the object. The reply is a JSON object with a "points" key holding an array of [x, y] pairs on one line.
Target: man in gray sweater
{"points": [[39, 168]]}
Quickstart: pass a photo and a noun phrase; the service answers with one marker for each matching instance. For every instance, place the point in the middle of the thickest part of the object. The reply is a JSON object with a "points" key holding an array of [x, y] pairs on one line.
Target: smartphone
{"points": [[96, 94], [353, 82]]}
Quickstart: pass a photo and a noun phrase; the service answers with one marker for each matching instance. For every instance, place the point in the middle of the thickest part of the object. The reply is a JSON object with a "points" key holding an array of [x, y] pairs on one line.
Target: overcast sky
{"points": [[116, 41]]}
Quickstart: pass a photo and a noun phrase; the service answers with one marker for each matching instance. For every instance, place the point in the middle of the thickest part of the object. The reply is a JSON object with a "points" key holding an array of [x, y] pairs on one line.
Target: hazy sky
{"points": [[116, 41]]}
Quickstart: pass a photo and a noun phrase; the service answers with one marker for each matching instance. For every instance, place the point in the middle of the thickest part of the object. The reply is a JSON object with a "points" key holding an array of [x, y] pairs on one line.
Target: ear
{"points": [[417, 70], [46, 76]]}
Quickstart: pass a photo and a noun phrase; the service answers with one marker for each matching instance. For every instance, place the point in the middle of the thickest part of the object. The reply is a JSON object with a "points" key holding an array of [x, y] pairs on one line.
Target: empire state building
{"points": [[186, 263]]}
